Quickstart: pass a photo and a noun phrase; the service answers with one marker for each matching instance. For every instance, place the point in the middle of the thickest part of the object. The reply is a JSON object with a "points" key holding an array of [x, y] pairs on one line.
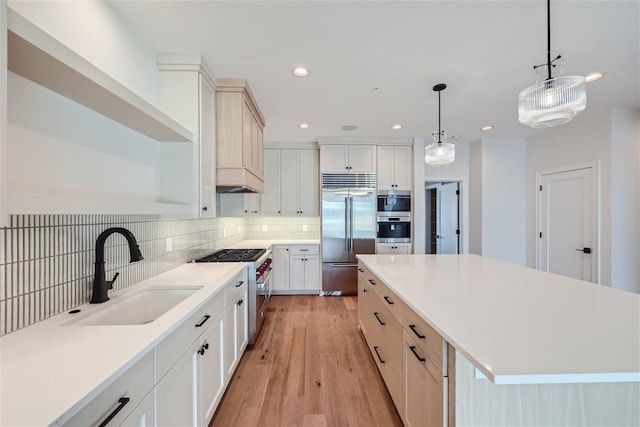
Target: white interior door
{"points": [[567, 210], [447, 219]]}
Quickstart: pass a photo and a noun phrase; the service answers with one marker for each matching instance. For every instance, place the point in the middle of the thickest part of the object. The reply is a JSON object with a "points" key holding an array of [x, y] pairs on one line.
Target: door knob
{"points": [[584, 250]]}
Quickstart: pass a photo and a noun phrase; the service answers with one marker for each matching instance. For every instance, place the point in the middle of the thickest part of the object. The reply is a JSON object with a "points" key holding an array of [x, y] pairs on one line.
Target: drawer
{"points": [[134, 385], [390, 299], [386, 331], [304, 249], [367, 276], [234, 287], [171, 348], [429, 341]]}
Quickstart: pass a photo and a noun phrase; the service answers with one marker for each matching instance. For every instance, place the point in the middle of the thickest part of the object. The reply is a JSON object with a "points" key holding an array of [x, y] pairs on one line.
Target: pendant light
{"points": [[440, 153], [551, 101]]}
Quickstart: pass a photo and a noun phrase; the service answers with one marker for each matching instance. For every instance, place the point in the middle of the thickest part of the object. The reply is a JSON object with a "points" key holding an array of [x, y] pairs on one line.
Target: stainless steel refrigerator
{"points": [[348, 228]]}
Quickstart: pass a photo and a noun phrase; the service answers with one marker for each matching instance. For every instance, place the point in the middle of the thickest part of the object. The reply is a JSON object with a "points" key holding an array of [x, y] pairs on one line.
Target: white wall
{"points": [[419, 227], [585, 139], [625, 203], [96, 32], [497, 174]]}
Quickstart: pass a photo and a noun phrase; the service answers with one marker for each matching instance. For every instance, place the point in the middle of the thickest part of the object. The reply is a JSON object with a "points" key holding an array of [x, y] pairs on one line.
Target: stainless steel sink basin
{"points": [[138, 308]]}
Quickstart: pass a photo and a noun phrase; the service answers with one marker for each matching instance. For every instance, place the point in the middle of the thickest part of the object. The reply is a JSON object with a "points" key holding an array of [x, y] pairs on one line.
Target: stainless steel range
{"points": [[260, 284]]}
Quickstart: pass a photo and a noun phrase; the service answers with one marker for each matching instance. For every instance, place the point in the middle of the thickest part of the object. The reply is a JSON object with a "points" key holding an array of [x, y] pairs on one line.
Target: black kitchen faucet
{"points": [[100, 285]]}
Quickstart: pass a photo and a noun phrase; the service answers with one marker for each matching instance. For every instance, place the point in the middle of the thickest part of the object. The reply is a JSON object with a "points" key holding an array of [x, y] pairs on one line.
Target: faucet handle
{"points": [[110, 284]]}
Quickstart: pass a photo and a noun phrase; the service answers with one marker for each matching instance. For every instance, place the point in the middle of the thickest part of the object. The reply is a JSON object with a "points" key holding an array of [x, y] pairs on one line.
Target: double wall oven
{"points": [[260, 286], [394, 217]]}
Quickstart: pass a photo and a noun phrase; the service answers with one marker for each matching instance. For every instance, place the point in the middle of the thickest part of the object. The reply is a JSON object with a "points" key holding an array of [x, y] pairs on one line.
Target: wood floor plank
{"points": [[310, 366]]}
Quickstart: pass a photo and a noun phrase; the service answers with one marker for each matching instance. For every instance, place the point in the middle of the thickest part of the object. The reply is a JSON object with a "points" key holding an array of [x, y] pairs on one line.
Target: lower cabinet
{"points": [[235, 328], [411, 356], [144, 414], [296, 269], [393, 248]]}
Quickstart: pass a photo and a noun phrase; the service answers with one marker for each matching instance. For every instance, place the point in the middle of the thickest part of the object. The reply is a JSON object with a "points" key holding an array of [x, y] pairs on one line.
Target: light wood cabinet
{"points": [[239, 141], [412, 357], [394, 168], [393, 248], [340, 158]]}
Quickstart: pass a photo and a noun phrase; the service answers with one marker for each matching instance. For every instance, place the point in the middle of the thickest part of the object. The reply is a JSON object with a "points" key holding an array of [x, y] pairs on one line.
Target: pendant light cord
{"points": [[439, 128], [549, 39]]}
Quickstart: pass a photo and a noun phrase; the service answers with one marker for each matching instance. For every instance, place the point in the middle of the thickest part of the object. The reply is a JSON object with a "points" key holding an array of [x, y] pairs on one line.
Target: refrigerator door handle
{"points": [[346, 224], [344, 265], [351, 224]]}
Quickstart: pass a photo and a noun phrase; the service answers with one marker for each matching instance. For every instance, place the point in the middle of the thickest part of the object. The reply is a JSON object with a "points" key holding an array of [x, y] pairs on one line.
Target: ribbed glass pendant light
{"points": [[440, 153], [551, 101]]}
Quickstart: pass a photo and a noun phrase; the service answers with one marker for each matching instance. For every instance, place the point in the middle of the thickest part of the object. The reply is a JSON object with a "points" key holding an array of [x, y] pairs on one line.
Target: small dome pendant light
{"points": [[551, 101], [440, 153]]}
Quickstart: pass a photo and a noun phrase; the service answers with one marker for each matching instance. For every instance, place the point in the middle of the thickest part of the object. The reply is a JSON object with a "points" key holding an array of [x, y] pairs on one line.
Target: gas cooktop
{"points": [[233, 255]]}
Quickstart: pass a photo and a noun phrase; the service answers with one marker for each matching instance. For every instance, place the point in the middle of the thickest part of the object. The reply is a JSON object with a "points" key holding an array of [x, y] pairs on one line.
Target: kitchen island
{"points": [[530, 347]]}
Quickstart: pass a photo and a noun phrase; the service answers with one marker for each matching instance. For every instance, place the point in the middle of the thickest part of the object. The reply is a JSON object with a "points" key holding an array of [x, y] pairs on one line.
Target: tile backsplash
{"points": [[47, 261]]}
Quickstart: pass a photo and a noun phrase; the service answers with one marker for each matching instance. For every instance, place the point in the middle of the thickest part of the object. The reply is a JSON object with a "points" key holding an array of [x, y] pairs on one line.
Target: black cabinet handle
{"points": [[584, 250], [378, 354], [413, 350], [203, 321], [375, 313], [364, 291], [204, 208], [122, 403], [372, 282], [240, 303], [239, 284], [361, 270], [415, 331], [201, 351], [388, 300]]}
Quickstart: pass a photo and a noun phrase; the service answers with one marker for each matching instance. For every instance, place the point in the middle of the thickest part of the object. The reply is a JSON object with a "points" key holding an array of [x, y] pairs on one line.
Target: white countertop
{"points": [[519, 325], [263, 244], [49, 370]]}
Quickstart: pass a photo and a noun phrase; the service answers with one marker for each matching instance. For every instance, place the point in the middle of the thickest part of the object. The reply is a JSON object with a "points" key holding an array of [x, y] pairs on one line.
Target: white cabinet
{"points": [[339, 158], [235, 329], [394, 169], [212, 368], [291, 182], [144, 415], [299, 182], [393, 248], [247, 204], [296, 269], [207, 148], [280, 267], [121, 398]]}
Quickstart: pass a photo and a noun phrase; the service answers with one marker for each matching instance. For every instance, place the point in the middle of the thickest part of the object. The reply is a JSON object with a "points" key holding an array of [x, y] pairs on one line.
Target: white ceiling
{"points": [[483, 50]]}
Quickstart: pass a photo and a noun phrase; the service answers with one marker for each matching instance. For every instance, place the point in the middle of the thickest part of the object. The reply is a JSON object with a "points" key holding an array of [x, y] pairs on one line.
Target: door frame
{"points": [[463, 208], [595, 211]]}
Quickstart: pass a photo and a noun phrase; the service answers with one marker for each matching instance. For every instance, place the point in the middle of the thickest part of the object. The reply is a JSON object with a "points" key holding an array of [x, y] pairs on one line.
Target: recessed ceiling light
{"points": [[396, 127], [300, 72], [349, 127], [487, 128], [593, 77], [455, 137], [303, 126]]}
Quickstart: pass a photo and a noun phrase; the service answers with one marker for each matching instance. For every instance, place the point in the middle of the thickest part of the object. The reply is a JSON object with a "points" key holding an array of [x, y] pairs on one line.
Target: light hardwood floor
{"points": [[310, 366]]}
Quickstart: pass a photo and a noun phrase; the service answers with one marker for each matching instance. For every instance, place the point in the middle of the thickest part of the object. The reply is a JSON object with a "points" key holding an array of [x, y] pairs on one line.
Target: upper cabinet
{"points": [[240, 124], [342, 158], [299, 183], [394, 167]]}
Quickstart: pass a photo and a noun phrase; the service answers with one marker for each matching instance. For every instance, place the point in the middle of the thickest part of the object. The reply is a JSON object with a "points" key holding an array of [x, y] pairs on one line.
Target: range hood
{"points": [[231, 189]]}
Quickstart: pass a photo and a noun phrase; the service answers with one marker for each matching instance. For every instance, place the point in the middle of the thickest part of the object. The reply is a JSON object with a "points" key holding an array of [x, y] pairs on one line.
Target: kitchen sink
{"points": [[138, 308]]}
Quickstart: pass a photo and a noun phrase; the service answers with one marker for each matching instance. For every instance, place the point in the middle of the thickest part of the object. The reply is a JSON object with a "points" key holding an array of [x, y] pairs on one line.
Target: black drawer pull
{"points": [[364, 291], [361, 270], [388, 300], [122, 403], [413, 350], [372, 282], [415, 331], [202, 322], [239, 284], [378, 354], [375, 313]]}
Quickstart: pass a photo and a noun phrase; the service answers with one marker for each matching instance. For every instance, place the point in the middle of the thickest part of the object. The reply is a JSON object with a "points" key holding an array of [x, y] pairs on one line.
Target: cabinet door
{"points": [[296, 271], [402, 167], [384, 248], [385, 167], [212, 368], [251, 202], [230, 338], [309, 185], [333, 158], [247, 138], [312, 272], [177, 393], [423, 388], [402, 248], [363, 297], [231, 204], [207, 149], [362, 158], [242, 333], [290, 184], [271, 198], [280, 267], [144, 415], [259, 146]]}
